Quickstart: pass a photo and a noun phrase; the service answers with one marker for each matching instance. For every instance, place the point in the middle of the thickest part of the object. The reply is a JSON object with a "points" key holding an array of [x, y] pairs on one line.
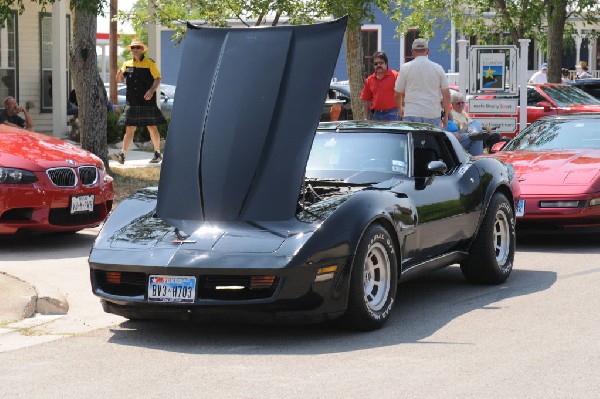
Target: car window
{"points": [[533, 97], [341, 155], [558, 134], [431, 147], [564, 96]]}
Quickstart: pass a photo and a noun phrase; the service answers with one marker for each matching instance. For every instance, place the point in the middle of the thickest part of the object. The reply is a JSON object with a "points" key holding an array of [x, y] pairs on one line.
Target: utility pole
{"points": [[112, 50]]}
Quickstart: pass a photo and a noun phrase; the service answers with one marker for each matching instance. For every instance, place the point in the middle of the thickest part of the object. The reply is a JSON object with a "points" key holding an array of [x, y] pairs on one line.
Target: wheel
{"points": [[373, 281], [493, 251]]}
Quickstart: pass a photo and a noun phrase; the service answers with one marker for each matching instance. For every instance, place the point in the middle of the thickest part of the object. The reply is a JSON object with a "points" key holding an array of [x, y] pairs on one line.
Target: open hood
{"points": [[248, 105]]}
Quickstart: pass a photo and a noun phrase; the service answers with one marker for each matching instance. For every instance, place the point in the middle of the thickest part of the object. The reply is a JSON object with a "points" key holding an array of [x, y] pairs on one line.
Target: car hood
{"points": [[584, 108], [248, 105], [539, 171], [34, 151]]}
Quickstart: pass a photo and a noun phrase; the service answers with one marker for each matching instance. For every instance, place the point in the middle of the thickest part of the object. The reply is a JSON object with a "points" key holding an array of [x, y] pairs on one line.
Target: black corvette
{"points": [[257, 217]]}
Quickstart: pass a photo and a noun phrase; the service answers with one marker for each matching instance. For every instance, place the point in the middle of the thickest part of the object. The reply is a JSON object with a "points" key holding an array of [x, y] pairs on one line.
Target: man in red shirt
{"points": [[378, 92]]}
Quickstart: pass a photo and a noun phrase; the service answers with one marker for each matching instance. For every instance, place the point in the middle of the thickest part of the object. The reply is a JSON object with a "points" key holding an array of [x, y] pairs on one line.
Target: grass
{"points": [[129, 180]]}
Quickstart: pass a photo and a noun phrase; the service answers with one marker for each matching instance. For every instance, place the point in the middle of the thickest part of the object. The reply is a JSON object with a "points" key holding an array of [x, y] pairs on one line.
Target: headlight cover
{"points": [[16, 176]]}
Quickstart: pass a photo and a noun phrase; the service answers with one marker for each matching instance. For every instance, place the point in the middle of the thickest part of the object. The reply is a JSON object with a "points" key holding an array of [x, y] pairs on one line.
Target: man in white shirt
{"points": [[540, 76], [421, 90]]}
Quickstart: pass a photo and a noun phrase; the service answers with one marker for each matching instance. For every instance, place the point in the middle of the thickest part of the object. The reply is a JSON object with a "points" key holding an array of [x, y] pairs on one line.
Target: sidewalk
{"points": [[134, 158]]}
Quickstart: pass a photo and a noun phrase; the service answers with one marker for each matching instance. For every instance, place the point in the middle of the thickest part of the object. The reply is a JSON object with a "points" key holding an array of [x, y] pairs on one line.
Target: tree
{"points": [[489, 21], [91, 96]]}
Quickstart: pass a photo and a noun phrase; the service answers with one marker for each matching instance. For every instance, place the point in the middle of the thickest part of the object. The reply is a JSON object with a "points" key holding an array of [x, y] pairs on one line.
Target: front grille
{"points": [[63, 217], [88, 175], [62, 177], [208, 287]]}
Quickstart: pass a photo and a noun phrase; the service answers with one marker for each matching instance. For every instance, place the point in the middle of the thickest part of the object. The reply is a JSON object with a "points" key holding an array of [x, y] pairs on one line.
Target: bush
{"points": [[114, 132]]}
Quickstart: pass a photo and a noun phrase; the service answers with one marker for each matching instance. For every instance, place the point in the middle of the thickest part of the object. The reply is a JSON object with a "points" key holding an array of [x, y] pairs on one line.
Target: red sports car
{"points": [[551, 99], [49, 185], [557, 162]]}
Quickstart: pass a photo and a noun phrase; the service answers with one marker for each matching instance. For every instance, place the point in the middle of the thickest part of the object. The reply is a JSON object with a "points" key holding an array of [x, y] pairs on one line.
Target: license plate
{"points": [[82, 204], [172, 289], [520, 211]]}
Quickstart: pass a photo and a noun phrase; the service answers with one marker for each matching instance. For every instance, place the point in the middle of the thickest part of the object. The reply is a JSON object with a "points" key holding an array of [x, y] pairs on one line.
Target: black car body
{"points": [[590, 86], [256, 217]]}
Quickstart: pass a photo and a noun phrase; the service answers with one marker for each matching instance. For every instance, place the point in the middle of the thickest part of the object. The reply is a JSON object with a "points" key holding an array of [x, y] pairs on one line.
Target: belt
{"points": [[383, 111]]}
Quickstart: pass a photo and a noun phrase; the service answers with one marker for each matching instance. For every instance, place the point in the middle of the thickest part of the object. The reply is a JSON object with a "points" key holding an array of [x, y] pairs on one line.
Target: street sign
{"points": [[508, 106], [501, 125]]}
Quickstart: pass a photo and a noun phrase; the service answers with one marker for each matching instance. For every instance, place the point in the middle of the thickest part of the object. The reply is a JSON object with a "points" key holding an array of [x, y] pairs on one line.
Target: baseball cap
{"points": [[544, 66], [420, 44]]}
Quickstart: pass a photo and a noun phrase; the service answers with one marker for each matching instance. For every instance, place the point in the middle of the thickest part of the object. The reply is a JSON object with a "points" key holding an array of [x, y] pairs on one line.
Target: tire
{"points": [[492, 253], [373, 281]]}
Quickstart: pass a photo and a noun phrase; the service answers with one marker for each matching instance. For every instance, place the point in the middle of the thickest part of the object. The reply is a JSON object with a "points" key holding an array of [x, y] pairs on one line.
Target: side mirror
{"points": [[437, 168], [544, 104]]}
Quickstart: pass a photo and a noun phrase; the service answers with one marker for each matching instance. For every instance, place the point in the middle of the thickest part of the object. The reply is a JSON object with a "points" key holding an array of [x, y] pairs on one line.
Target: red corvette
{"points": [[49, 185], [557, 162]]}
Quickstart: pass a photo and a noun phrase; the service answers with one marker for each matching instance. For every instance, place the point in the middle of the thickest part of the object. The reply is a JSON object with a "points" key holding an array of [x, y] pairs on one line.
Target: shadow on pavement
{"points": [[423, 307], [48, 246]]}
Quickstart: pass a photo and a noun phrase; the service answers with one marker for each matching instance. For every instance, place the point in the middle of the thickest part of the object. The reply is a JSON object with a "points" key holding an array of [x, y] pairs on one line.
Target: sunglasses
{"points": [[378, 63], [459, 103], [136, 47]]}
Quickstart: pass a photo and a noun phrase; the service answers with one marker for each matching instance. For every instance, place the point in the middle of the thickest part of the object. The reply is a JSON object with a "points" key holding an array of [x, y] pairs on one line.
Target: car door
{"points": [[446, 212]]}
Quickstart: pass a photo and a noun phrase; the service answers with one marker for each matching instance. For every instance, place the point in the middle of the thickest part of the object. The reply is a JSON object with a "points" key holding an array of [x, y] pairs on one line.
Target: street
{"points": [[534, 336]]}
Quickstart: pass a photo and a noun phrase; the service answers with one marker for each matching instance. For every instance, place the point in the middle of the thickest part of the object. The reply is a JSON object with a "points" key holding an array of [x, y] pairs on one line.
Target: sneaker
{"points": [[120, 157], [157, 157]]}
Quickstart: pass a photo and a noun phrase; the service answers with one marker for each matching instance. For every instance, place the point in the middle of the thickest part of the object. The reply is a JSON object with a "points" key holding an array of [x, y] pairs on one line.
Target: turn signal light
{"points": [[113, 277], [325, 273], [261, 282]]}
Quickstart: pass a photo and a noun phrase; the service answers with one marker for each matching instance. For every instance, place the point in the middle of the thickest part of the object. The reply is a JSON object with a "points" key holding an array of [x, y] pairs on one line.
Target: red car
{"points": [[557, 162], [550, 99], [49, 185]]}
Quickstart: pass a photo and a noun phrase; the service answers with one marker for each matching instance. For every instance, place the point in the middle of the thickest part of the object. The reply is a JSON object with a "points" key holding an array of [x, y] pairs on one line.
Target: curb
{"points": [[21, 300]]}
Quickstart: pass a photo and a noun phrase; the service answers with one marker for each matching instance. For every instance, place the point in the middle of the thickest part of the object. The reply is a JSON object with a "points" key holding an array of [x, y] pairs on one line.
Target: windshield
{"points": [[558, 135], [357, 157], [564, 96]]}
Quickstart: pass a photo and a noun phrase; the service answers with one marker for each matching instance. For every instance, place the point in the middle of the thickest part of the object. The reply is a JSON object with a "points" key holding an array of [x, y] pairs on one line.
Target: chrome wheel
{"points": [[502, 237], [376, 277]]}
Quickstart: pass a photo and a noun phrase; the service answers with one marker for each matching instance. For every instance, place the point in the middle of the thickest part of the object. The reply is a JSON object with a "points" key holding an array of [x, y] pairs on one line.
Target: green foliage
{"points": [[114, 132]]}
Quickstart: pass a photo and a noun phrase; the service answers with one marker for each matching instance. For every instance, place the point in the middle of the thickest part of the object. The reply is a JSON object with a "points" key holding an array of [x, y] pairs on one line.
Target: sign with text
{"points": [[492, 71], [500, 125], [508, 106]]}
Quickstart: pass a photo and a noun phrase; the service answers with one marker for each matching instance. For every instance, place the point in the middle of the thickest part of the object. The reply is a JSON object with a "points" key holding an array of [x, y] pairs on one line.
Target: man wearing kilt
{"points": [[143, 79]]}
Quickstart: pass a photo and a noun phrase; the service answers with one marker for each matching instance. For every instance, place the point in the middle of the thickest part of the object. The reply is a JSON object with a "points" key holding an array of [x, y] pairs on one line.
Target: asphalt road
{"points": [[537, 335]]}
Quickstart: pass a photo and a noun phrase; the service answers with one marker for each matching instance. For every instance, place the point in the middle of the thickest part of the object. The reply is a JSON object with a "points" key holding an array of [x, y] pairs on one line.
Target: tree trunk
{"points": [[89, 88], [354, 64], [557, 16]]}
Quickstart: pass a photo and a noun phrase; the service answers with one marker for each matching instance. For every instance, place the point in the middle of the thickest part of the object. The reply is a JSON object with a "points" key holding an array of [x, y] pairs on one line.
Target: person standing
{"points": [[582, 70], [10, 114], [422, 93], [540, 76], [142, 78], [378, 91]]}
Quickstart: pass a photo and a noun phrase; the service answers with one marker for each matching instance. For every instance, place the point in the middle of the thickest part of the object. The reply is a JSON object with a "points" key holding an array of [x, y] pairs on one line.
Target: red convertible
{"points": [[49, 185], [557, 163]]}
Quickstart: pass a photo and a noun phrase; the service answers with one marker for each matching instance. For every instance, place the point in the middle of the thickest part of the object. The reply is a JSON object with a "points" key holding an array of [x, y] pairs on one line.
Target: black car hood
{"points": [[248, 105]]}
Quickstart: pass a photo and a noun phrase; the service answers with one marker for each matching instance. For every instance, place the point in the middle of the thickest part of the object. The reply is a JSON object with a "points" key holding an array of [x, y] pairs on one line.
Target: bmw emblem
{"points": [[70, 162]]}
